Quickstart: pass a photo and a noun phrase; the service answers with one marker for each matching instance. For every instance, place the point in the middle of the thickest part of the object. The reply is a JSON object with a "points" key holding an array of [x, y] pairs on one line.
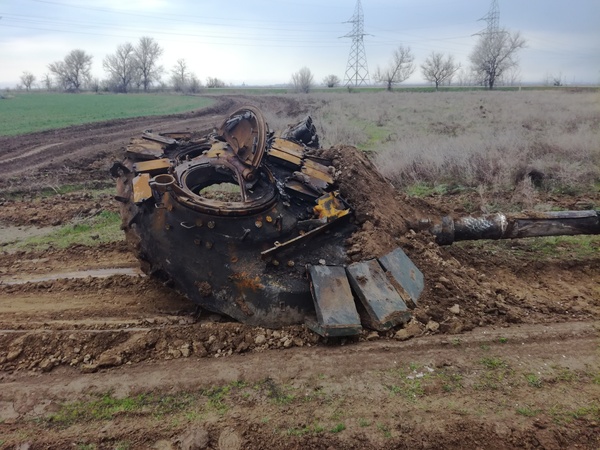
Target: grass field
{"points": [[26, 113], [439, 142]]}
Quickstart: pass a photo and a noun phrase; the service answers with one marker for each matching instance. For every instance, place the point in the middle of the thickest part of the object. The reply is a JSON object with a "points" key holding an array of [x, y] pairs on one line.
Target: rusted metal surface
{"points": [[511, 226], [404, 275], [213, 215], [141, 188], [334, 304], [383, 307], [152, 167]]}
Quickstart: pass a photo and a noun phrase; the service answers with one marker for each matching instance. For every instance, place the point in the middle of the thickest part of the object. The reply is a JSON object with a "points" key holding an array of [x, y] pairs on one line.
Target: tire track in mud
{"points": [[83, 153]]}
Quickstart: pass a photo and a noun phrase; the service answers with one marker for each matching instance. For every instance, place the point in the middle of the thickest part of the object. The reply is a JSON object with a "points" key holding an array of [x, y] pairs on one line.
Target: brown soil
{"points": [[504, 351]]}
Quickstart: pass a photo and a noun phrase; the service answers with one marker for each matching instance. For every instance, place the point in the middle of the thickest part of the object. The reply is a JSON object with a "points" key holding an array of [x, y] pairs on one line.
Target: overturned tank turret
{"points": [[249, 223]]}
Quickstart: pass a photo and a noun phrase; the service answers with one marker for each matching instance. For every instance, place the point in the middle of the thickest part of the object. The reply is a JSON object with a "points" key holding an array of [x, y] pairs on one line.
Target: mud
{"points": [[66, 338]]}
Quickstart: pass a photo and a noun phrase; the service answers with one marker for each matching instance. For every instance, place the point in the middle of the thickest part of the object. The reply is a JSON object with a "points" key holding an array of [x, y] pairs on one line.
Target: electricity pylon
{"points": [[493, 19], [357, 72]]}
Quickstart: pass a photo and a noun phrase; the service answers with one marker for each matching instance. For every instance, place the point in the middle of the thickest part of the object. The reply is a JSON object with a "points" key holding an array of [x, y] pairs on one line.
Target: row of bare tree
{"points": [[130, 67], [138, 67], [493, 59]]}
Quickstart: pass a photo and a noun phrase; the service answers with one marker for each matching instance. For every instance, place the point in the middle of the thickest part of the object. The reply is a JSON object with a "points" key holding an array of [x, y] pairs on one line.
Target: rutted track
{"points": [[57, 156]]}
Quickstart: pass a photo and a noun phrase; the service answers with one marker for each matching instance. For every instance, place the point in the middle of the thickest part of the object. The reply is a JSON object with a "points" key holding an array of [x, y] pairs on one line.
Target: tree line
{"points": [[130, 68], [137, 68], [493, 60]]}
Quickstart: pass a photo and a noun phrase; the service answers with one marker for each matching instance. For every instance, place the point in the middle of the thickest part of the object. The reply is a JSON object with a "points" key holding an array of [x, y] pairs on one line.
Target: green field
{"points": [[26, 113]]}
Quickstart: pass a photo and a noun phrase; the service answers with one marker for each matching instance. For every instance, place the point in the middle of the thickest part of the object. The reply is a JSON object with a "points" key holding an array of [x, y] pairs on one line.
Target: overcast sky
{"points": [[263, 42]]}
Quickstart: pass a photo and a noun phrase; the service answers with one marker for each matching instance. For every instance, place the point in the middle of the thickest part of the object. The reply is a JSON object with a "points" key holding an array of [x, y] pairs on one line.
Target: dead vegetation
{"points": [[483, 141]]}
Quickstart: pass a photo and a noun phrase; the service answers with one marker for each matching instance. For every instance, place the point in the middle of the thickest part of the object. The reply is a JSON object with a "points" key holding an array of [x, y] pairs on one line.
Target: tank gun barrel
{"points": [[510, 226]]}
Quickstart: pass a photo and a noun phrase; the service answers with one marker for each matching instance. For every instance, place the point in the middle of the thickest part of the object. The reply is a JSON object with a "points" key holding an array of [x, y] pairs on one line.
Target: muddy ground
{"points": [[503, 350]]}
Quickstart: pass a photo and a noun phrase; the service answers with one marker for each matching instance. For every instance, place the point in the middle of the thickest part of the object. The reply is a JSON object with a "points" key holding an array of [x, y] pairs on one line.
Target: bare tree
{"points": [[122, 67], [331, 81], [438, 70], [556, 80], [399, 69], [302, 80], [494, 54], [180, 76], [73, 71], [47, 81], [27, 78], [146, 54], [94, 85], [213, 82], [194, 85], [464, 77]]}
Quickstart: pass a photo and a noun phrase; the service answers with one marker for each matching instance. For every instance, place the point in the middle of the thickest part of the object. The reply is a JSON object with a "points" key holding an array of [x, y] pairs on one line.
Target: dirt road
{"points": [[504, 350]]}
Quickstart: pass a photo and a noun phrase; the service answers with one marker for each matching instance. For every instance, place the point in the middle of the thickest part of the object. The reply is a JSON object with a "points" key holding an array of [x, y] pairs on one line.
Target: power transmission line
{"points": [[493, 20], [357, 71]]}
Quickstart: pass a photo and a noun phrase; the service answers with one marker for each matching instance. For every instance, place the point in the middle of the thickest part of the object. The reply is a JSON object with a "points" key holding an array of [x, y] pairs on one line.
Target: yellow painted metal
{"points": [[141, 188], [145, 148], [219, 149], [177, 135], [153, 166], [283, 145], [311, 168], [299, 187], [295, 160], [330, 207]]}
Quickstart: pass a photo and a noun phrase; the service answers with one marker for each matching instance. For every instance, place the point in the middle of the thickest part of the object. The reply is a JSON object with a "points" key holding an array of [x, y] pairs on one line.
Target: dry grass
{"points": [[488, 141]]}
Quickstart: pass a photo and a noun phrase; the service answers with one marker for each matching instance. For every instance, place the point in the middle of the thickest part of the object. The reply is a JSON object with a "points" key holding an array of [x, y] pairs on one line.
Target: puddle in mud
{"points": [[11, 234], [94, 273]]}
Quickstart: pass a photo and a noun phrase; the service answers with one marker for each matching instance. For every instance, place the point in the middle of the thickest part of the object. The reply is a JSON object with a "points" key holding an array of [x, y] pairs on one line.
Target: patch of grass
{"points": [[363, 422], [426, 189], [105, 227], [86, 447], [533, 380], [27, 113], [216, 398], [592, 412], [497, 375], [123, 445], [493, 363], [564, 374], [385, 430], [281, 395], [318, 393], [338, 428], [528, 411], [557, 247], [106, 407], [589, 412], [314, 428], [503, 340], [376, 133], [194, 416], [183, 406], [410, 389], [450, 381]]}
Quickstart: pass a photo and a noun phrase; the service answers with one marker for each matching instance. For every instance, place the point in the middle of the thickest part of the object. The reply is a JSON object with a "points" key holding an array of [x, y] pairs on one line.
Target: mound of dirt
{"points": [[463, 290], [379, 210]]}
